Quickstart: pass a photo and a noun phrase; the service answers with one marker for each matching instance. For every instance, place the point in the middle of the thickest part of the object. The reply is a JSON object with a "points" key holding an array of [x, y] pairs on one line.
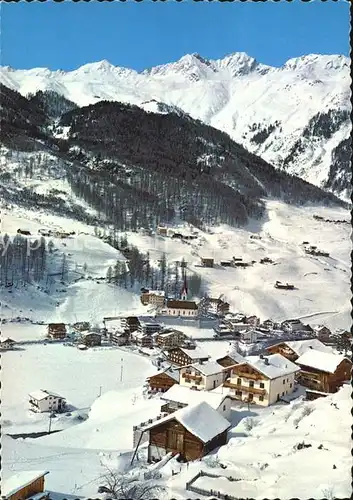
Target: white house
{"points": [[179, 396], [262, 379], [183, 308], [44, 401], [202, 376]]}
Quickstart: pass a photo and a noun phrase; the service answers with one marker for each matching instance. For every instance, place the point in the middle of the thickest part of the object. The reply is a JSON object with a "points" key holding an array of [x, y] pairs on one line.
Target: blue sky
{"points": [[141, 35]]}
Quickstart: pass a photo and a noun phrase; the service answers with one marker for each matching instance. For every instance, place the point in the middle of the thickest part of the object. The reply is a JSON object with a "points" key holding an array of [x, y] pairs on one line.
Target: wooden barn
{"points": [[91, 339], [6, 343], [191, 433], [24, 232], [57, 330], [323, 372], [292, 349], [207, 262], [25, 485], [181, 356], [163, 380]]}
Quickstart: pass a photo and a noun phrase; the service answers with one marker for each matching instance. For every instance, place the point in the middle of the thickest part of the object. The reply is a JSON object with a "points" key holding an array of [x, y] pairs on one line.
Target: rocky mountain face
{"points": [[296, 117], [138, 168]]}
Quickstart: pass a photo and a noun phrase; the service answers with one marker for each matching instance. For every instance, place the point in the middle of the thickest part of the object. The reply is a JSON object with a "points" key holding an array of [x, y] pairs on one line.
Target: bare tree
{"points": [[124, 487]]}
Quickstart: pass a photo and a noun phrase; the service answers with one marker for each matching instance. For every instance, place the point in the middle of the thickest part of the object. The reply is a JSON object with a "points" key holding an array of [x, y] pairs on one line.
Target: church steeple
{"points": [[184, 290]]}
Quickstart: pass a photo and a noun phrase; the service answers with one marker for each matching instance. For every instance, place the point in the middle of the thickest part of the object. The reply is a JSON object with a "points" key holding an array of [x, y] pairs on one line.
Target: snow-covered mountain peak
{"points": [[192, 67], [239, 63], [317, 64]]}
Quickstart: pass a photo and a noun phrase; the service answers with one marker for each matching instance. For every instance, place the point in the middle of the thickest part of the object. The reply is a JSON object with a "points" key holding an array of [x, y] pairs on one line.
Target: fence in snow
{"points": [[209, 493]]}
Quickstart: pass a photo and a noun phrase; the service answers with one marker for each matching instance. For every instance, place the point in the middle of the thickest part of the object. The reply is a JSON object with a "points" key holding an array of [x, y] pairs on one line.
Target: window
{"points": [[261, 398], [251, 383], [262, 385], [282, 394], [239, 381], [224, 407], [290, 385], [238, 393], [284, 381]]}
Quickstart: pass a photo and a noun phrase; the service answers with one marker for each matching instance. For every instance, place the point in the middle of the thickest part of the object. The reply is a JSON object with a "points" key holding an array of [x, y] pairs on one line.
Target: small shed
{"points": [[191, 432], [207, 262], [24, 485], [24, 232]]}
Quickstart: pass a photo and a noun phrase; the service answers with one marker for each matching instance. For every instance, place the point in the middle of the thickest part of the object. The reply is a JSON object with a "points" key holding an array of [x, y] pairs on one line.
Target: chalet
{"points": [[163, 380], [91, 339], [207, 262], [284, 286], [183, 308], [24, 232], [226, 263], [323, 372], [292, 325], [262, 379], [179, 396], [168, 338], [240, 263], [248, 336], [162, 230], [130, 323], [6, 343], [217, 306], [153, 297], [292, 349], [24, 486], [45, 401], [184, 433], [57, 330], [182, 356], [44, 232], [322, 333], [268, 324], [237, 326], [252, 320], [202, 376], [142, 339], [81, 326], [119, 337], [148, 325], [223, 330]]}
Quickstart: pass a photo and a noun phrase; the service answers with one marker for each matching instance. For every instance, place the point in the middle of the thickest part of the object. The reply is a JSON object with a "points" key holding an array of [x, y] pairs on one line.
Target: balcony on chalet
{"points": [[191, 376], [253, 376], [244, 388]]}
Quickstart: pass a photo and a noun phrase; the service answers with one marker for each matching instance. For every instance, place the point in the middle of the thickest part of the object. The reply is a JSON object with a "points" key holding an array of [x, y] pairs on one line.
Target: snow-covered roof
{"points": [[199, 419], [207, 368], [172, 372], [324, 361], [278, 365], [238, 358], [196, 353], [42, 394], [185, 395], [15, 483], [160, 293], [301, 346], [6, 339]]}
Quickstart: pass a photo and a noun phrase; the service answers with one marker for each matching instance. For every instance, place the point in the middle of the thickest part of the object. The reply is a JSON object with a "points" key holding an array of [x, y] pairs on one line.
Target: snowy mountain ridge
{"points": [[296, 116]]}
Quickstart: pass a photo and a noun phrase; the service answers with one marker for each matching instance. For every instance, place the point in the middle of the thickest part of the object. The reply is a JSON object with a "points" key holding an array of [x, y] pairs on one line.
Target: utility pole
{"points": [[50, 417], [121, 370]]}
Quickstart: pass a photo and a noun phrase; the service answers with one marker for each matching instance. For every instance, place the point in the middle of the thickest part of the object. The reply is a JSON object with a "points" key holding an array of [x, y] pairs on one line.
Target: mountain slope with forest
{"points": [[296, 117]]}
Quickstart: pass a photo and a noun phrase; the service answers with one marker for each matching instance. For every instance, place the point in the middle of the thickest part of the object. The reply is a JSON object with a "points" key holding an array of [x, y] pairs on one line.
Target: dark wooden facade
{"points": [[57, 330], [318, 380], [35, 487], [92, 339], [207, 262], [161, 382], [178, 357], [172, 437], [227, 362], [284, 350]]}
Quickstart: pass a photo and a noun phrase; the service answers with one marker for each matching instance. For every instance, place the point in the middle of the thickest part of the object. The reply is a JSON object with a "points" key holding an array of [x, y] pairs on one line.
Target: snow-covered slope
{"points": [[295, 117]]}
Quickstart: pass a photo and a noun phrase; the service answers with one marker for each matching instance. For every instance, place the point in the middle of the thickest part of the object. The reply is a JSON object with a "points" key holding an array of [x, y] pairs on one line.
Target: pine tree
{"points": [[109, 274]]}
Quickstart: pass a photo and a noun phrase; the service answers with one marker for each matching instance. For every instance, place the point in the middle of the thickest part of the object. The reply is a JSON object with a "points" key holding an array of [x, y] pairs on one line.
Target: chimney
{"points": [[267, 361], [261, 356]]}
